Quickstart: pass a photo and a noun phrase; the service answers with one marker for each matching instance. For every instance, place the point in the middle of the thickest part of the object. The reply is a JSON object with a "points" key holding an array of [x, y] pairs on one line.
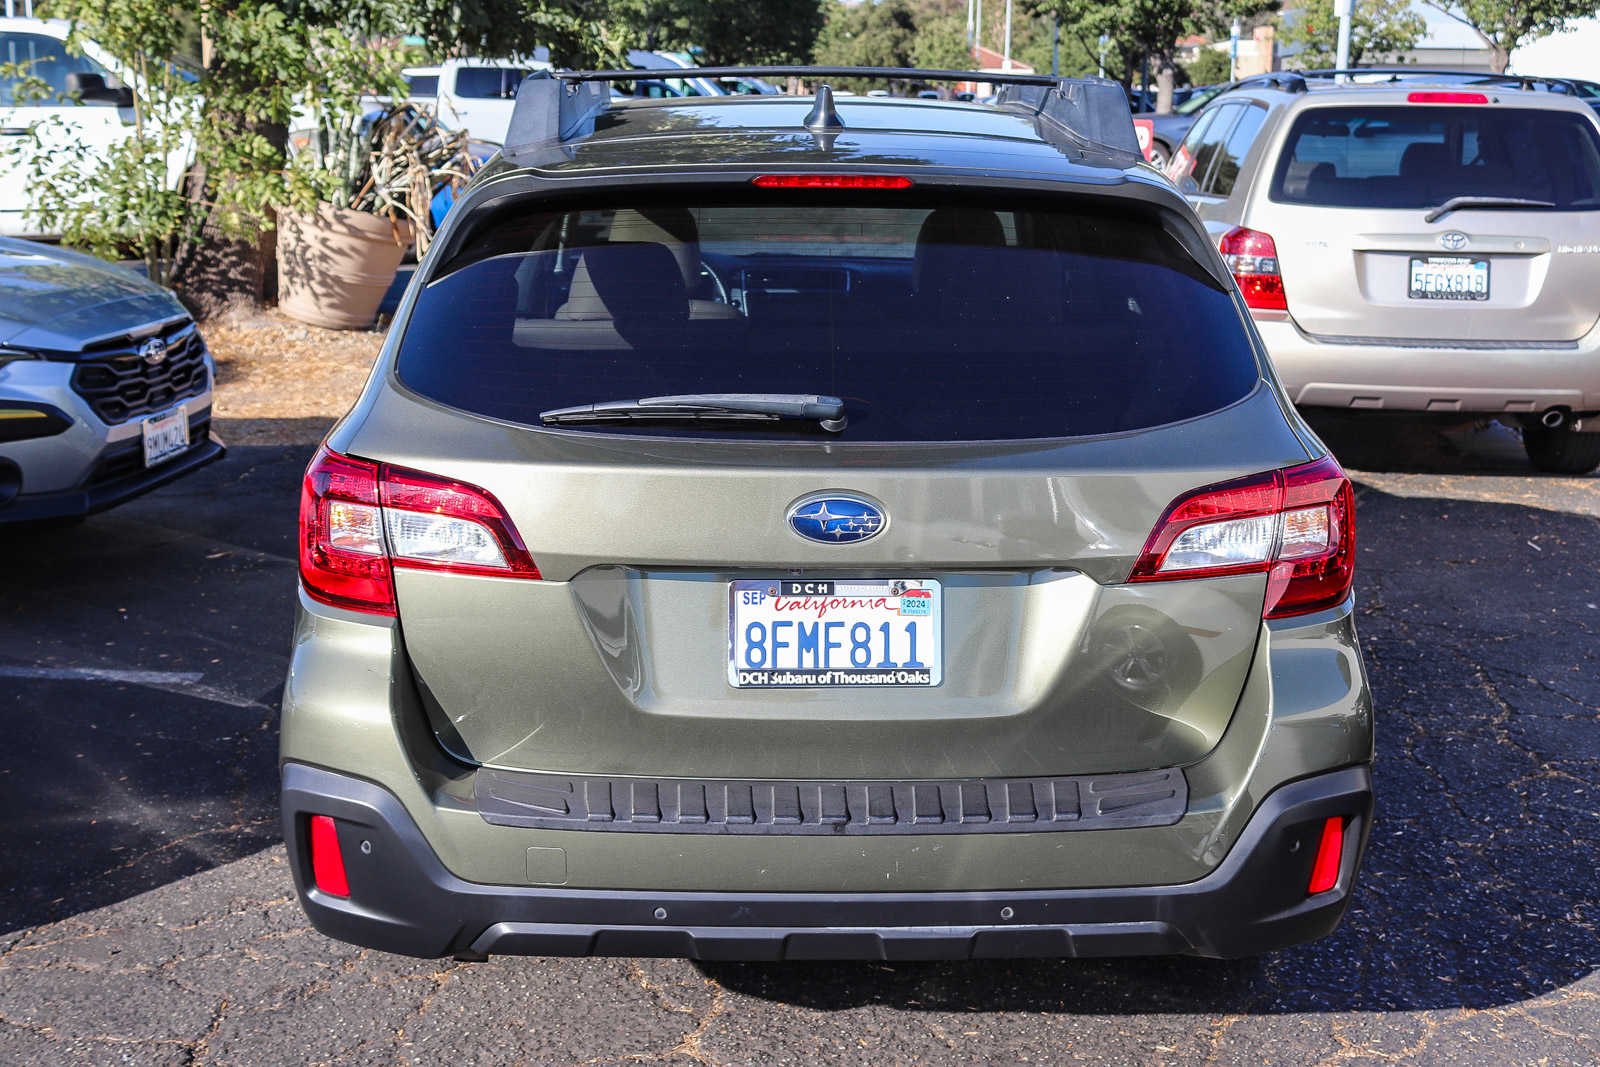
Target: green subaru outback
{"points": [[786, 528]]}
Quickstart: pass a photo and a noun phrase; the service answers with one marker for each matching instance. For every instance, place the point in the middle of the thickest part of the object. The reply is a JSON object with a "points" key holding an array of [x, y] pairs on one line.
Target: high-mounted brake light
{"points": [[1296, 525], [1253, 258], [832, 181], [1446, 98], [358, 520]]}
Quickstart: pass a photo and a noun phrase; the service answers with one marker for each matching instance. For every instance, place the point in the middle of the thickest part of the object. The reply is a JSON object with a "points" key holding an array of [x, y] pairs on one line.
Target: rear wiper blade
{"points": [[1455, 203], [765, 407]]}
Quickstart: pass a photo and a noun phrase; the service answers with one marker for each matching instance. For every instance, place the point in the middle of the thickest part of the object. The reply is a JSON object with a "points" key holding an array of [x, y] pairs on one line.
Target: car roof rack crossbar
{"points": [[554, 106]]}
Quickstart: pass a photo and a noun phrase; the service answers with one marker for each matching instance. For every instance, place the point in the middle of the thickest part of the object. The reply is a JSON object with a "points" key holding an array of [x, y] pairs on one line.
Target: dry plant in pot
{"points": [[360, 185]]}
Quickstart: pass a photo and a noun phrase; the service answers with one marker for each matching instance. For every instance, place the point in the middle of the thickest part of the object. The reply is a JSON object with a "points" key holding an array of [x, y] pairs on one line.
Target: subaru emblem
{"points": [[153, 351], [836, 518], [1453, 240]]}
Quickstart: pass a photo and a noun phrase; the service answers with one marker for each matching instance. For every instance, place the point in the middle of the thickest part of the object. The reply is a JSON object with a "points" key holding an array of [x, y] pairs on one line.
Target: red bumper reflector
{"points": [[832, 181], [327, 862], [1325, 872]]}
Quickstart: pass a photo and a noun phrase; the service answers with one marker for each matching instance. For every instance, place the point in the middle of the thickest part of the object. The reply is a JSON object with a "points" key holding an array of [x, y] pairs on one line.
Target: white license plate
{"points": [[165, 435], [1449, 278], [808, 633]]}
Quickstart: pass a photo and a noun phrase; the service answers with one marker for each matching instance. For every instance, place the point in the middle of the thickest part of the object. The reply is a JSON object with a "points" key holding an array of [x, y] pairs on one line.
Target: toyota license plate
{"points": [[791, 634], [165, 435], [1449, 278]]}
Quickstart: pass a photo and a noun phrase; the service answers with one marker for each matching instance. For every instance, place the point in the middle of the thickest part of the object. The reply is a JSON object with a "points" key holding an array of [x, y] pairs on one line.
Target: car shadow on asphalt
{"points": [[1479, 886], [142, 656]]}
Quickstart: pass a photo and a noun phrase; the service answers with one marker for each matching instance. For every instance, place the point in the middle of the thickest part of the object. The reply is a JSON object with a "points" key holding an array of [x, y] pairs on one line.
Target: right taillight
{"points": [[1295, 525], [1253, 259], [359, 519]]}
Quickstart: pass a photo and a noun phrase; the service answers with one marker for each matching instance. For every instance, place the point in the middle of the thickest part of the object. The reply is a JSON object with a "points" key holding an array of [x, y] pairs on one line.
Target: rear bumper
{"points": [[403, 899], [1440, 377]]}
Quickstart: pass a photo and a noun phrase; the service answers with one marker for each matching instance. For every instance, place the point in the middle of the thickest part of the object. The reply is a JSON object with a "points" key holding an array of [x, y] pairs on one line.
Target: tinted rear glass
{"points": [[933, 324], [422, 84], [1417, 157]]}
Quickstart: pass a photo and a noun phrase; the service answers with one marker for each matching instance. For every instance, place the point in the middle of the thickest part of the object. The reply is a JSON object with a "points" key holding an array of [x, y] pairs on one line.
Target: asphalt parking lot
{"points": [[146, 913]]}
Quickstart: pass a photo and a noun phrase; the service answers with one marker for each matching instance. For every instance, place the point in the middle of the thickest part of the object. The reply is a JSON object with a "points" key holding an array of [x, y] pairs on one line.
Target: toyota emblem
{"points": [[1453, 240], [153, 351]]}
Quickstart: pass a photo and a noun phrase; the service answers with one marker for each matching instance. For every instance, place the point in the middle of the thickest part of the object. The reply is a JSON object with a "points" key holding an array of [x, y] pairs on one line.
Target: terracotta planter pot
{"points": [[335, 265]]}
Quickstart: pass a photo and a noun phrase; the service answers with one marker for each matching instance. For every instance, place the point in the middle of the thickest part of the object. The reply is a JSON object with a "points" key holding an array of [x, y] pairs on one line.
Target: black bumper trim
{"points": [[90, 499], [831, 808], [404, 900]]}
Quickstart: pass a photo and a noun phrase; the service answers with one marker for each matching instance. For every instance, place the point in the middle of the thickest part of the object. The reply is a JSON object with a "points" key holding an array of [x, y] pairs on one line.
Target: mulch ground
{"points": [[281, 382]]}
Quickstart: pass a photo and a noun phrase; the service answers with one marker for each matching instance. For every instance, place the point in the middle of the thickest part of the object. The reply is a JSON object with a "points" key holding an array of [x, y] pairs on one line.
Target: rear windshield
{"points": [[957, 322], [1418, 157]]}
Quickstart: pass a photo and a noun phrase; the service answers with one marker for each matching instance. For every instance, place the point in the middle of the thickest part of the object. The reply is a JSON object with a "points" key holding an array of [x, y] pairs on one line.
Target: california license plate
{"points": [[1449, 278], [165, 435], [791, 634]]}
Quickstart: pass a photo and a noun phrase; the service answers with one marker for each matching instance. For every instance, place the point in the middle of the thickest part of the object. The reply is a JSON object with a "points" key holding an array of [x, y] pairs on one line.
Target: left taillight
{"points": [[359, 520], [1296, 525], [1252, 257]]}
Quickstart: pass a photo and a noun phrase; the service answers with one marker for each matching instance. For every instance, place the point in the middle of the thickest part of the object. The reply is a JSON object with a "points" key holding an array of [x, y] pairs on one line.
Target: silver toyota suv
{"points": [[1415, 247]]}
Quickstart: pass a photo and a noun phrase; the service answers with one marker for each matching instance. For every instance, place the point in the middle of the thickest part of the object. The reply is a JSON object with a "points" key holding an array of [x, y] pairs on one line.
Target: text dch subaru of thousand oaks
{"points": [[779, 528]]}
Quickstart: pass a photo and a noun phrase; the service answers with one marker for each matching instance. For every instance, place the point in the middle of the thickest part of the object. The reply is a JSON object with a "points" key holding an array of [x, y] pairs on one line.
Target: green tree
{"points": [[1504, 25], [941, 42], [1151, 28], [868, 35], [1379, 28], [733, 32], [1211, 67]]}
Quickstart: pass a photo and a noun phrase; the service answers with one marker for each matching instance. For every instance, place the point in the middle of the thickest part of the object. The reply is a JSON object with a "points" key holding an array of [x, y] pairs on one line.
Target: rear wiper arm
{"points": [[765, 407], [1455, 203]]}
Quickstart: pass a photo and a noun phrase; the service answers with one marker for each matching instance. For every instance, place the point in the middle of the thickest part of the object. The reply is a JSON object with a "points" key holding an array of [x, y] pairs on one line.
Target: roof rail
{"points": [[554, 106], [1469, 77], [549, 110]]}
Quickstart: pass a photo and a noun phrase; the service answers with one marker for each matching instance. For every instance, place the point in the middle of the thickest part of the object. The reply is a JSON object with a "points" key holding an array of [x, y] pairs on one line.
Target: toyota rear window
{"points": [[959, 321], [1419, 157]]}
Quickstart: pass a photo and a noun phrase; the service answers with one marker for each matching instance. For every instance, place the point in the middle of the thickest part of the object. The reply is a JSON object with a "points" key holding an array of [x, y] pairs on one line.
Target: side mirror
{"points": [[92, 89]]}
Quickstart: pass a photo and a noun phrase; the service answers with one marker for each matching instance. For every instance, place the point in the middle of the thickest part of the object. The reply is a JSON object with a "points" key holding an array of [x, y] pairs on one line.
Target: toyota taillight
{"points": [[1253, 259], [358, 520], [1296, 525]]}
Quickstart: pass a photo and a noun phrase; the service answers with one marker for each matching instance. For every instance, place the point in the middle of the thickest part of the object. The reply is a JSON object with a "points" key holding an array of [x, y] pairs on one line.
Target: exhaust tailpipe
{"points": [[1553, 418]]}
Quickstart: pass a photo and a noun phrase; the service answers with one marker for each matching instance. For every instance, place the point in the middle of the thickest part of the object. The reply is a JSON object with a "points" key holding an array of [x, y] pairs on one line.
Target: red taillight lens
{"points": [[1446, 98], [1316, 560], [1253, 259], [832, 181], [1298, 525], [342, 557], [1330, 850], [327, 862], [358, 520]]}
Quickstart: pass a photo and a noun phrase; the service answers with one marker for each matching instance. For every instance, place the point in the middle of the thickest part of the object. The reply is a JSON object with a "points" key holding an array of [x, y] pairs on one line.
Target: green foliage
{"points": [[1211, 67], [941, 43], [127, 197], [1379, 28], [1504, 25]]}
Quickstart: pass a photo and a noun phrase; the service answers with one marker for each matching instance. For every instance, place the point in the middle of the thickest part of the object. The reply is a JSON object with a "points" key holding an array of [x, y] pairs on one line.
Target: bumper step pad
{"points": [[957, 806]]}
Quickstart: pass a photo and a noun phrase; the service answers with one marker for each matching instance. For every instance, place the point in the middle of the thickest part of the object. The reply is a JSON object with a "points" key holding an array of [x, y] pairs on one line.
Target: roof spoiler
{"points": [[554, 106]]}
